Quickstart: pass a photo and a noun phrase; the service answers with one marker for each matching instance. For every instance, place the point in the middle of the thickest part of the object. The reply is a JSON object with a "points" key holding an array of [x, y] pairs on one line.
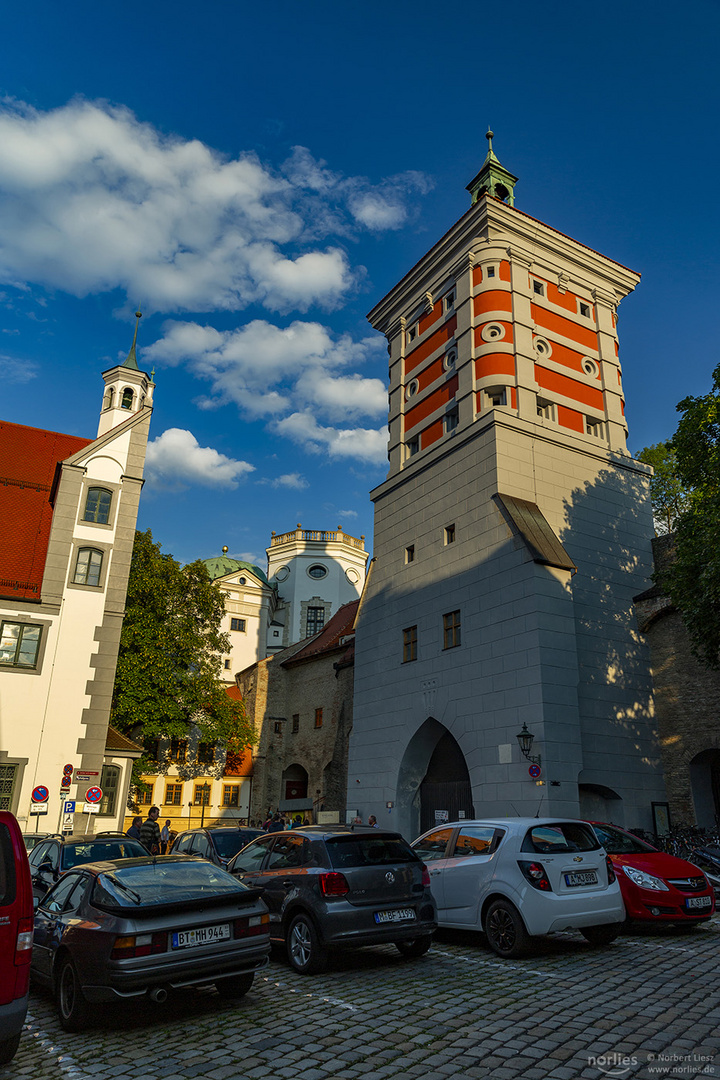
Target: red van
{"points": [[16, 934]]}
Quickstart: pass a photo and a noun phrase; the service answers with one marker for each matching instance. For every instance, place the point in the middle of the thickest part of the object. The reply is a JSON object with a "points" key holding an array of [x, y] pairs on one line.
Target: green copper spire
{"points": [[493, 179], [131, 361]]}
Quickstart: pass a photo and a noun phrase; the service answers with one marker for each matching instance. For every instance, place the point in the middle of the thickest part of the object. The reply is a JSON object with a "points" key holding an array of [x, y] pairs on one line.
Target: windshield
{"points": [[98, 850], [617, 842], [229, 843], [163, 882], [348, 851]]}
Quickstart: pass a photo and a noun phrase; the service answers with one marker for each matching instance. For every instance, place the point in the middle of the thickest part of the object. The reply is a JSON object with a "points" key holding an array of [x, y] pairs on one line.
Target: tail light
{"points": [[23, 946], [610, 870], [251, 925], [534, 872], [334, 884], [426, 876], [139, 945]]}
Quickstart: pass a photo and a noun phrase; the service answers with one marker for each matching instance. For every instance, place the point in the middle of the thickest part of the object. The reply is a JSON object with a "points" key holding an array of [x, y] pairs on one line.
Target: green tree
{"points": [[669, 495], [692, 579], [168, 684]]}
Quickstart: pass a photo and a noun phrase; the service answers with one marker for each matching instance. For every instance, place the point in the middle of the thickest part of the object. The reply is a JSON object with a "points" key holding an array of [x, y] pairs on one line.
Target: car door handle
{"points": [[288, 884], [434, 873]]}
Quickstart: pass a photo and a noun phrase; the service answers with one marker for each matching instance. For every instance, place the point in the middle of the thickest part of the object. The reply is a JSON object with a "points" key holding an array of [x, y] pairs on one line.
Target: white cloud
{"points": [[91, 200], [177, 457], [291, 480], [365, 444], [17, 371]]}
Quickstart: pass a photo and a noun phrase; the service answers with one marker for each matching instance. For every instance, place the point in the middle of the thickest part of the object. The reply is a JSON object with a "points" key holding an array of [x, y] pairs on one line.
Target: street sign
{"points": [[68, 822], [442, 815], [68, 770], [40, 794], [69, 806], [90, 808], [535, 771], [38, 808], [85, 774], [93, 795]]}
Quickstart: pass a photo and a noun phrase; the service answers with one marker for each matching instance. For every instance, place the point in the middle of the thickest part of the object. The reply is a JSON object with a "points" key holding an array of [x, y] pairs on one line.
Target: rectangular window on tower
{"points": [[409, 644], [451, 630], [315, 621], [318, 718]]}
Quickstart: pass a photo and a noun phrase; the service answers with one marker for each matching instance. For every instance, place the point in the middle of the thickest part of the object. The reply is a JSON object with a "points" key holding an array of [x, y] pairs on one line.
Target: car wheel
{"points": [[73, 1009], [236, 986], [505, 930], [8, 1049], [415, 947], [601, 935], [305, 951]]}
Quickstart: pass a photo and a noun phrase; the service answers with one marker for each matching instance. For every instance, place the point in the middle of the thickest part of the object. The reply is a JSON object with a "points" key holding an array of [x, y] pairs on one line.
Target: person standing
{"points": [[372, 822], [165, 837], [134, 829], [150, 831]]}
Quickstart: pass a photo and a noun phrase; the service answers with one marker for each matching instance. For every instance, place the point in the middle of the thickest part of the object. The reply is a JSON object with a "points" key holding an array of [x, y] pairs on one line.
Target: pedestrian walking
{"points": [[134, 829], [372, 822], [276, 824], [150, 831], [165, 837]]}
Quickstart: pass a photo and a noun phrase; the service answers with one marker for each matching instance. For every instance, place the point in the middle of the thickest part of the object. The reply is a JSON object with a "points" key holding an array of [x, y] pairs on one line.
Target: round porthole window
{"points": [[590, 367], [283, 573], [412, 389], [450, 359], [352, 575], [493, 332], [543, 348], [317, 571], [242, 580]]}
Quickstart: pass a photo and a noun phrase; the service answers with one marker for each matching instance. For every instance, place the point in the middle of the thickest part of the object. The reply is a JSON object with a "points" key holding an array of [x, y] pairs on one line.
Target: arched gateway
{"points": [[433, 779]]}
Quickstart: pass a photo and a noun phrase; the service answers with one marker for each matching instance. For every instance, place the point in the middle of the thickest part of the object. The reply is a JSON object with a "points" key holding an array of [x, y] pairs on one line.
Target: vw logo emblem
{"points": [[390, 877], [578, 858]]}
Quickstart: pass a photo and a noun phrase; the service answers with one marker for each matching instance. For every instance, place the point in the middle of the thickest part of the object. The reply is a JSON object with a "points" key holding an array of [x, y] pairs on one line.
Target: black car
{"points": [[135, 928], [217, 843], [57, 854], [340, 886]]}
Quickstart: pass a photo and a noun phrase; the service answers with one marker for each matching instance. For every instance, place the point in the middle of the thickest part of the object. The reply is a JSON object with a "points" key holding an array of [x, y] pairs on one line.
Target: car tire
{"points": [[72, 1006], [305, 951], [505, 930], [597, 936], [236, 986], [8, 1049], [414, 947]]}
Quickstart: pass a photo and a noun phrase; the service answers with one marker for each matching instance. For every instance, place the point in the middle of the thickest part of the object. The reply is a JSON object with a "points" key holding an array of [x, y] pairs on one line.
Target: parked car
{"points": [[216, 843], [339, 886], [60, 853], [517, 878], [128, 928], [656, 886], [32, 839], [16, 915]]}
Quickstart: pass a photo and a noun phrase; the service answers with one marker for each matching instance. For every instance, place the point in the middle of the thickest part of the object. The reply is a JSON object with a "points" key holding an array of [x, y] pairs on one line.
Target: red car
{"points": [[16, 934], [655, 886]]}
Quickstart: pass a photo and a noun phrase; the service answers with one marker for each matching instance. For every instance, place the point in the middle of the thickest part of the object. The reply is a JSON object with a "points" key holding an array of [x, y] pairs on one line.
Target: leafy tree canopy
{"points": [[692, 579], [669, 495], [168, 674]]}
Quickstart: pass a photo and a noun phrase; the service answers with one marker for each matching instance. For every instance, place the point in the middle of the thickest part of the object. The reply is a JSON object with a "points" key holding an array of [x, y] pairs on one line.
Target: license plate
{"points": [[698, 902], [203, 935], [398, 915], [584, 877]]}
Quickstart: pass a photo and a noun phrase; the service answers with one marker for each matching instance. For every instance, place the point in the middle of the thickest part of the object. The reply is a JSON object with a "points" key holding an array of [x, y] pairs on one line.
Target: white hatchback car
{"points": [[515, 878]]}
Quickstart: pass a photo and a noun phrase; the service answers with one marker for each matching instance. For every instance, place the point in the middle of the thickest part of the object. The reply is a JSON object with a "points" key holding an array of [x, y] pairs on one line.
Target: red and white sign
{"points": [[535, 771], [93, 795], [85, 774], [40, 794]]}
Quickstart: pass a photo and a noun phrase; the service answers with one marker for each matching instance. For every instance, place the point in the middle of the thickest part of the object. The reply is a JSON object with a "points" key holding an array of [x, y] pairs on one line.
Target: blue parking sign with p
{"points": [[69, 806]]}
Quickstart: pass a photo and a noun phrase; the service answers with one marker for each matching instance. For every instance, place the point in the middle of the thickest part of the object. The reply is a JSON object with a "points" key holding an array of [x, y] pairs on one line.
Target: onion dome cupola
{"points": [[493, 178]]}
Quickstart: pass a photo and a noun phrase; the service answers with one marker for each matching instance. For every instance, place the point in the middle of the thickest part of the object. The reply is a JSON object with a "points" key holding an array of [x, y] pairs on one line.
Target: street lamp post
{"points": [[204, 798]]}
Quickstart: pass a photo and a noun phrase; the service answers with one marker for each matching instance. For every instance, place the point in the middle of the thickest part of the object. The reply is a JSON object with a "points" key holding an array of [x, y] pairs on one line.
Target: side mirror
{"points": [[45, 867]]}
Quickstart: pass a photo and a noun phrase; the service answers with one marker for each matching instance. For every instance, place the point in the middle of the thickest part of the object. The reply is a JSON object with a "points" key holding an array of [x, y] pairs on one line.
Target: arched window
{"points": [[88, 567], [127, 398], [109, 783], [97, 506], [109, 397]]}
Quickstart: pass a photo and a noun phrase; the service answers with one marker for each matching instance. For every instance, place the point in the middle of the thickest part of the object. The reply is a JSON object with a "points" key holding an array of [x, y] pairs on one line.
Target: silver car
{"points": [[135, 928], [516, 878]]}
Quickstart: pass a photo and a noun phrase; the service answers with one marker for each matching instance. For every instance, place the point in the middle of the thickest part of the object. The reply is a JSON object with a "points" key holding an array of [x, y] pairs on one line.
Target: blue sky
{"points": [[256, 178]]}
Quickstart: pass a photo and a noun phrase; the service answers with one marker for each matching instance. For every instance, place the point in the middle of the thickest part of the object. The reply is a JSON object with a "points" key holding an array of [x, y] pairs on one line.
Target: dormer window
{"points": [[128, 397], [97, 506]]}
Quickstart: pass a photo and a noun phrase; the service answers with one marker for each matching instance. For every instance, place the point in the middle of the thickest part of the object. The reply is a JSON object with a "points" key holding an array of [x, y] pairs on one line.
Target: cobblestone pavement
{"points": [[647, 1006]]}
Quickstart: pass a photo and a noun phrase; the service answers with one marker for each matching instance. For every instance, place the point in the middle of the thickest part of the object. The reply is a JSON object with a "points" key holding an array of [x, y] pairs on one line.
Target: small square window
{"points": [[278, 727], [497, 397], [227, 665], [410, 553], [490, 272], [276, 633], [585, 311], [238, 624], [201, 796], [413, 446], [19, 644], [409, 644], [451, 630], [318, 718], [538, 288], [450, 300], [451, 420], [411, 334], [173, 794], [449, 534], [295, 723], [231, 795]]}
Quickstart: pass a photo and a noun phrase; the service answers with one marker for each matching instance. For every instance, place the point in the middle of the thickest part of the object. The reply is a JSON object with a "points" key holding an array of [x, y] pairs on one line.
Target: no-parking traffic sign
{"points": [[93, 795]]}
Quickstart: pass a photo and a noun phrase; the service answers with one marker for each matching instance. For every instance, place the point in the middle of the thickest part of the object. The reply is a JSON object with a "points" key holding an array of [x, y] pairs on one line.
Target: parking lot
{"points": [[647, 1006]]}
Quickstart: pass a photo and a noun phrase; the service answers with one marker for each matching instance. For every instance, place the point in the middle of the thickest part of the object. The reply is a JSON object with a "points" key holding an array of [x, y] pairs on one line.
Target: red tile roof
{"points": [[28, 460], [328, 640]]}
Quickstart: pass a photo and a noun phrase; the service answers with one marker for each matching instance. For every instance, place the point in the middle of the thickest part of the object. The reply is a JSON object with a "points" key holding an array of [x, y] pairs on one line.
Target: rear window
{"points": [[557, 839], [163, 883], [228, 844], [77, 854], [7, 867], [349, 851]]}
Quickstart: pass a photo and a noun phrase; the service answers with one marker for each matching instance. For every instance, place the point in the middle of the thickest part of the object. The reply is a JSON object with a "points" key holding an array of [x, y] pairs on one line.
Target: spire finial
{"points": [[225, 549], [131, 361], [489, 135]]}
